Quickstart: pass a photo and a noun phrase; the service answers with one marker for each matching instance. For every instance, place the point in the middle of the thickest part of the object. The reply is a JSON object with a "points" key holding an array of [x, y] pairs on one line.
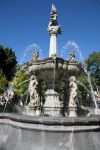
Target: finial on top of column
{"points": [[53, 7], [53, 27]]}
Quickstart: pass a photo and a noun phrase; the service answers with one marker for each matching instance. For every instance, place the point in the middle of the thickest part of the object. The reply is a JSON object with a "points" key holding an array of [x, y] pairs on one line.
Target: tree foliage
{"points": [[93, 65], [3, 83], [7, 62], [20, 83], [93, 68]]}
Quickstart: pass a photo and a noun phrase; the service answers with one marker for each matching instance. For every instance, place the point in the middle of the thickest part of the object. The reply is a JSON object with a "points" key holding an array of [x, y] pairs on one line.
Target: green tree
{"points": [[93, 65], [7, 62], [20, 85], [42, 87], [3, 83], [83, 89]]}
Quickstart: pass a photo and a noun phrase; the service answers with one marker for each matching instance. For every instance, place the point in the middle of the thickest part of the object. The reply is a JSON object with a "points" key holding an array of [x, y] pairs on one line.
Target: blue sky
{"points": [[24, 23]]}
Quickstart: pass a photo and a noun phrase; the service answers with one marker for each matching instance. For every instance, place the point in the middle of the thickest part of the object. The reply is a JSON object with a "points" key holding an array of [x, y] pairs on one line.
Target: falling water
{"points": [[96, 141], [21, 83], [19, 139], [83, 85], [29, 50], [43, 135], [71, 138], [72, 45], [54, 74], [43, 140], [69, 143]]}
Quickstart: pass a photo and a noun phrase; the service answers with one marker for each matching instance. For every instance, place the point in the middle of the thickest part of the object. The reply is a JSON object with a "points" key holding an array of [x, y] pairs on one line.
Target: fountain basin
{"points": [[46, 133], [45, 67]]}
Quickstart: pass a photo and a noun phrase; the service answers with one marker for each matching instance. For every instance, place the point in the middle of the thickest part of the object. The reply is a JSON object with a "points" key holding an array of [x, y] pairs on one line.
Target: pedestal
{"points": [[33, 111], [52, 106], [72, 112]]}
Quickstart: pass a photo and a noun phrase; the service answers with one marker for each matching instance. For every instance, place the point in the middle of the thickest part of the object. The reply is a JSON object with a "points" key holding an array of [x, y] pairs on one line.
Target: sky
{"points": [[23, 26]]}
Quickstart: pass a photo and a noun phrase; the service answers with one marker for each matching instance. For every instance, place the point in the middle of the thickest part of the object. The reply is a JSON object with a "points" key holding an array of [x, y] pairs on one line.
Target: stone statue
{"points": [[53, 28], [72, 56], [53, 18], [35, 55], [33, 91], [73, 92]]}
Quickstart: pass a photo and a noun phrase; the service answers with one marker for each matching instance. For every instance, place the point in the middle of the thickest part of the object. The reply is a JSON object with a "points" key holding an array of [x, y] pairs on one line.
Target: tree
{"points": [[93, 66], [7, 62], [20, 85], [83, 89], [3, 83]]}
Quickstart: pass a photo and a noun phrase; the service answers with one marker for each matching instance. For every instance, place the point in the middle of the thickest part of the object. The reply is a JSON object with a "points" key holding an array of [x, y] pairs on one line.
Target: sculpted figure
{"points": [[35, 55], [53, 27], [72, 56], [34, 97], [73, 91]]}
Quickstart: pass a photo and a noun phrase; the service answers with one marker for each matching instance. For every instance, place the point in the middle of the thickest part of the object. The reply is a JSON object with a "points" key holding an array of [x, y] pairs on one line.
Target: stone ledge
{"points": [[61, 121]]}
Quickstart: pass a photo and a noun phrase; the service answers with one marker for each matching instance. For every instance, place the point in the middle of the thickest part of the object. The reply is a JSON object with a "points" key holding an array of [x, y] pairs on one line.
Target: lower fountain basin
{"points": [[49, 133]]}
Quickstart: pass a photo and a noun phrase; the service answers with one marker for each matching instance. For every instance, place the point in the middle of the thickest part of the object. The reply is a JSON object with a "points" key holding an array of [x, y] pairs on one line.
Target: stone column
{"points": [[53, 30], [53, 45], [34, 96], [52, 105], [72, 106]]}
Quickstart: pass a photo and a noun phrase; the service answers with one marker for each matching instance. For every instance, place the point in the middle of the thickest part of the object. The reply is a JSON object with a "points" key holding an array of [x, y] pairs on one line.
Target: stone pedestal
{"points": [[72, 111], [52, 106], [32, 111], [97, 111]]}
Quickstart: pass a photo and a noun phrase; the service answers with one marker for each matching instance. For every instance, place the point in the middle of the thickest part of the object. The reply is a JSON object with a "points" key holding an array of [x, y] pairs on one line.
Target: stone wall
{"points": [[37, 133]]}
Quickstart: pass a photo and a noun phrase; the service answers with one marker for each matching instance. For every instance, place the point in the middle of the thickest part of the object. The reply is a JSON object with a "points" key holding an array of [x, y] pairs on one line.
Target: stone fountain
{"points": [[57, 125], [54, 70]]}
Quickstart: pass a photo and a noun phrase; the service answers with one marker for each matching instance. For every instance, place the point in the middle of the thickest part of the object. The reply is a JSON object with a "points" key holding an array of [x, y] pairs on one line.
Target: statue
{"points": [[72, 56], [35, 55], [34, 97], [53, 28], [73, 92]]}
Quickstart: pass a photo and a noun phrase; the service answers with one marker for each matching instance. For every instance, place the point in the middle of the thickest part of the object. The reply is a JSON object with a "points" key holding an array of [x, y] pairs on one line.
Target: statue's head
{"points": [[33, 77], [72, 79]]}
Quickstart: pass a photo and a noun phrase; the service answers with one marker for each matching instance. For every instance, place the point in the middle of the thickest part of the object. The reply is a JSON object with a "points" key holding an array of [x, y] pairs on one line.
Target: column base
{"points": [[34, 111], [72, 112], [54, 112]]}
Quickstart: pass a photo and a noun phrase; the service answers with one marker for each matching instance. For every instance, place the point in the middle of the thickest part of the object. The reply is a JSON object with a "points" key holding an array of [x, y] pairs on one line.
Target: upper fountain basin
{"points": [[47, 66]]}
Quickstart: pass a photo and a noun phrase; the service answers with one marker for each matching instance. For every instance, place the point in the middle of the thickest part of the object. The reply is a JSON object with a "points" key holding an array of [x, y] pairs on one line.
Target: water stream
{"points": [[18, 142], [30, 48], [72, 45], [54, 73]]}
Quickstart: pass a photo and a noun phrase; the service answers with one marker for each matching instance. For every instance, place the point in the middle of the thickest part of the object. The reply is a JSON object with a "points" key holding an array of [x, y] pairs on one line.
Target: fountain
{"points": [[52, 121]]}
